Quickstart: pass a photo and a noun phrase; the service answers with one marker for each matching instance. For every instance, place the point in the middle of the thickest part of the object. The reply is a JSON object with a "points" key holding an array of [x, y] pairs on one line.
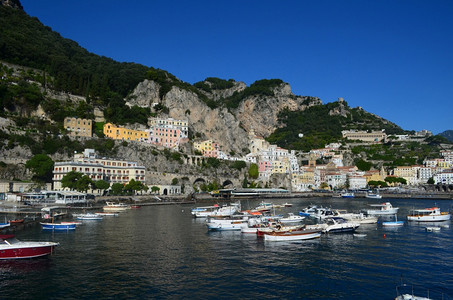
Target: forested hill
{"points": [[25, 41]]}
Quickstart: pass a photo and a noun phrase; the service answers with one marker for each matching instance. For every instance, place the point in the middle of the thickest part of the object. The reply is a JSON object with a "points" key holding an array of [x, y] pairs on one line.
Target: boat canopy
{"points": [[6, 236]]}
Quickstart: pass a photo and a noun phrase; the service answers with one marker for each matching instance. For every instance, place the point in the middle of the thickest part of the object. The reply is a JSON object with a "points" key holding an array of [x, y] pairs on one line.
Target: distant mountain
{"points": [[448, 134]]}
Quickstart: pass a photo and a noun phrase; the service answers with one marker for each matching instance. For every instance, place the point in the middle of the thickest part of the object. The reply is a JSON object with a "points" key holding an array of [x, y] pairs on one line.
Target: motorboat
{"points": [[292, 218], [395, 223], [432, 214], [373, 196], [359, 235], [223, 223], [308, 211], [337, 224], [265, 207], [305, 234], [16, 221], [72, 222], [115, 207], [278, 227], [58, 226], [432, 228], [203, 211], [12, 248], [286, 204], [383, 209], [356, 217]]}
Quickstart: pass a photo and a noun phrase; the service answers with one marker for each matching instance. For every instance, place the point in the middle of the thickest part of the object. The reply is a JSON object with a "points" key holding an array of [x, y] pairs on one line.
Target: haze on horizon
{"points": [[393, 58]]}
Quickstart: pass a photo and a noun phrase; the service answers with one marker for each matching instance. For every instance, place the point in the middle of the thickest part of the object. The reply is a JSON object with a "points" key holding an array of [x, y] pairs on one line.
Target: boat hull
{"points": [[292, 236], [393, 224], [52, 226], [31, 251], [435, 218], [391, 211]]}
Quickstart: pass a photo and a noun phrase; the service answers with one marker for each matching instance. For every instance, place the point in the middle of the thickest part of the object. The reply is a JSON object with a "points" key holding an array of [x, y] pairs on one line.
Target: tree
{"points": [[101, 185], [430, 180], [42, 167], [134, 186], [84, 183], [253, 171], [70, 180], [174, 181], [117, 189], [155, 189], [363, 165]]}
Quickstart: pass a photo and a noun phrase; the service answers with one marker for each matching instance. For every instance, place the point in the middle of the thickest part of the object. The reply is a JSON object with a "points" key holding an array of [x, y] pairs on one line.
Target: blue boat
{"points": [[395, 223], [58, 226]]}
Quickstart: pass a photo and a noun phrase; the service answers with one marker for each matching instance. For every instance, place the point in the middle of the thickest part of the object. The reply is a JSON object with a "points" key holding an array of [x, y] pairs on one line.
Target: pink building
{"points": [[167, 137]]}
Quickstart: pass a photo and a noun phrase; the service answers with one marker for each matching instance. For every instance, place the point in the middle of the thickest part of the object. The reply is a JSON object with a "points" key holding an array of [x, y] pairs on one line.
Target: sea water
{"points": [[162, 252]]}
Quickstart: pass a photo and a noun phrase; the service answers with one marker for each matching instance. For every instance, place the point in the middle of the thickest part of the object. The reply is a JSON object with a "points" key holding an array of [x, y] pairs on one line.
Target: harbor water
{"points": [[163, 252]]}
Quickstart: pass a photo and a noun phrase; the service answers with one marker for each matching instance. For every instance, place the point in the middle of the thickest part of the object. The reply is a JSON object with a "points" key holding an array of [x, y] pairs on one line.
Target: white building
{"points": [[443, 178]]}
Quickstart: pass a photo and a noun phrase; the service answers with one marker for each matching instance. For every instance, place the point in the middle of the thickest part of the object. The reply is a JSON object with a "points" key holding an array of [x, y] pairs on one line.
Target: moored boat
{"points": [[384, 209], [12, 248], [395, 223], [432, 214], [292, 218], [116, 207], [337, 224], [16, 221], [107, 214], [347, 195], [57, 226], [4, 225], [373, 196], [305, 234], [89, 216]]}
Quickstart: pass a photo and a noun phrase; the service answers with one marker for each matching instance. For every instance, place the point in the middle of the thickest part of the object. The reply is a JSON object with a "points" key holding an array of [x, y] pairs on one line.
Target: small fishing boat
{"points": [[395, 223], [57, 226], [12, 248], [89, 216], [347, 195], [116, 207], [4, 225], [15, 222], [107, 214], [305, 234], [432, 214], [373, 195]]}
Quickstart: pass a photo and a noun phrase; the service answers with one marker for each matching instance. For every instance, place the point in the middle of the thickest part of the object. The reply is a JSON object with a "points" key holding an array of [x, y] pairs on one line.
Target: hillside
{"points": [[45, 78], [448, 134]]}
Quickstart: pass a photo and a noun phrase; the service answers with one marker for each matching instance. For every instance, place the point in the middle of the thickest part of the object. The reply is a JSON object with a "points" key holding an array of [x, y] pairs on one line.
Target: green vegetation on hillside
{"points": [[258, 88], [213, 83], [320, 127]]}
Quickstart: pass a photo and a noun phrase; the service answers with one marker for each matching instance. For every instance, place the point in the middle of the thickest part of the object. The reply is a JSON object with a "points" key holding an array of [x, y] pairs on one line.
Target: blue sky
{"points": [[393, 58]]}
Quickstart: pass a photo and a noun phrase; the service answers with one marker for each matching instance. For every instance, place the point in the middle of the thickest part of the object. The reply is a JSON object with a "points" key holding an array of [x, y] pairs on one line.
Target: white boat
{"points": [[373, 196], [308, 211], [337, 224], [292, 235], [359, 235], [223, 224], [12, 248], [89, 216], [292, 218], [356, 217], [204, 211], [432, 214], [107, 214], [384, 209], [395, 223], [115, 207]]}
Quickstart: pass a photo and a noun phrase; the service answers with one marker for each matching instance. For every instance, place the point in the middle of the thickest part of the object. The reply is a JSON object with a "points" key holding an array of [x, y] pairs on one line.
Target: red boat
{"points": [[12, 248], [135, 206], [14, 222]]}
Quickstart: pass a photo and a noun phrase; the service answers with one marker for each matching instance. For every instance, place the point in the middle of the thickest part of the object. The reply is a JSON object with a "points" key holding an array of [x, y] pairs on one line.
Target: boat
{"points": [[356, 217], [395, 223], [204, 211], [432, 214], [308, 211], [359, 235], [136, 206], [116, 207], [347, 195], [406, 292], [292, 218], [384, 209], [57, 226], [12, 248], [277, 227], [89, 216], [107, 214], [226, 223], [4, 225], [286, 204], [15, 222], [337, 224], [373, 196], [305, 234]]}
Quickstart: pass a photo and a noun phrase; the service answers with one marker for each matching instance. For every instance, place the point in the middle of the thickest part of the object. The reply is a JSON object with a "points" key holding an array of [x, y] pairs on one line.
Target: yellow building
{"points": [[280, 166], [208, 148], [78, 127], [125, 134]]}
